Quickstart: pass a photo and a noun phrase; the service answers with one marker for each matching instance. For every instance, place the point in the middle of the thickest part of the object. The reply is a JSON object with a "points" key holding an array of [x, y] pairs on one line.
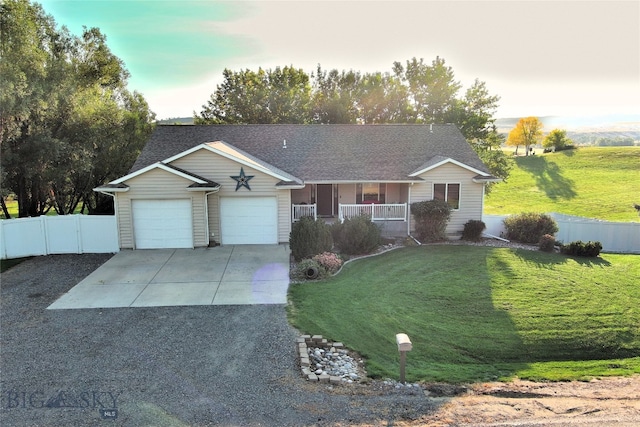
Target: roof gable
{"points": [[230, 152], [317, 153], [438, 161]]}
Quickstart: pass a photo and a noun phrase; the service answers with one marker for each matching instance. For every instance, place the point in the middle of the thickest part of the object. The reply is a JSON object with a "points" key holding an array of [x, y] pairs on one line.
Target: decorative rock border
{"points": [[304, 343]]}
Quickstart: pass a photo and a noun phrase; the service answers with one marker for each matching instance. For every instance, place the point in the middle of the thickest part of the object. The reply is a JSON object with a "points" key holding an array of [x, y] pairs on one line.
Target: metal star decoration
{"points": [[242, 180]]}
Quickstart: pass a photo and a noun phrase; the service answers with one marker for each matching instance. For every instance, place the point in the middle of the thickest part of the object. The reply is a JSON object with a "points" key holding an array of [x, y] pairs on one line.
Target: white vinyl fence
{"points": [[65, 234], [620, 237]]}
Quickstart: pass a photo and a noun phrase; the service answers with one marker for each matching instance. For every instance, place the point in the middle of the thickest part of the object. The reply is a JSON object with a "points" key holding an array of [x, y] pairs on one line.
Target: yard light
{"points": [[404, 345]]}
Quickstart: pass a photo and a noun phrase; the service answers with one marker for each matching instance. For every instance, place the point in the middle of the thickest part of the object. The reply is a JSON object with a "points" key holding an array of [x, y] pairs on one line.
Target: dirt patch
{"points": [[609, 401]]}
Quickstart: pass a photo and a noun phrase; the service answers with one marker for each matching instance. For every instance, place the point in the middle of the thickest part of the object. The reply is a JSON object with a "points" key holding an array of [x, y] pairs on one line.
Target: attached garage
{"points": [[162, 223], [248, 220]]}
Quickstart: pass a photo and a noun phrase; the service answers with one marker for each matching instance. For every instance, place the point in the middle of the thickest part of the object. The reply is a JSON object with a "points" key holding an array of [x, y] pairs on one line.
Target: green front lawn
{"points": [[481, 313]]}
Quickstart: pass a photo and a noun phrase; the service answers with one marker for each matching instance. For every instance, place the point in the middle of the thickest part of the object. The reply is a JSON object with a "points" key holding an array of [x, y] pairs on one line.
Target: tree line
{"points": [[413, 92], [68, 123]]}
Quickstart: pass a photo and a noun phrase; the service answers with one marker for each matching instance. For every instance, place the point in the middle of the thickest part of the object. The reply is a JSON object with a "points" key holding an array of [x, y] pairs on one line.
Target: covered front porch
{"points": [[385, 203]]}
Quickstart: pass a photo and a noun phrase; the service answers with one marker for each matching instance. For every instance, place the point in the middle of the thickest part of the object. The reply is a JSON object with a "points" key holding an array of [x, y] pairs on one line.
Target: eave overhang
{"points": [[112, 188]]}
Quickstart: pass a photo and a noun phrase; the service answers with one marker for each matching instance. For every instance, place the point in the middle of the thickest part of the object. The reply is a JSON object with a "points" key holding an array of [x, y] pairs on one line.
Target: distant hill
{"points": [[586, 130], [610, 122], [176, 121]]}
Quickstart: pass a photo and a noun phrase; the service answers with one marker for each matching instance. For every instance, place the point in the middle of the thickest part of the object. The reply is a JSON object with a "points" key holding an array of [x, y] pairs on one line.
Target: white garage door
{"points": [[162, 224], [248, 220]]}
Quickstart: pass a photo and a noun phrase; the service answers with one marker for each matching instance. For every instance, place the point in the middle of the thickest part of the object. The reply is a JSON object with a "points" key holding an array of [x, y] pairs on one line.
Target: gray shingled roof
{"points": [[324, 152]]}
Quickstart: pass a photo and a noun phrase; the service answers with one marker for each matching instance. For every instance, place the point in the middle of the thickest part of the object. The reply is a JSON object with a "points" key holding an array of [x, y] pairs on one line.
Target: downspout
{"points": [[409, 210]]}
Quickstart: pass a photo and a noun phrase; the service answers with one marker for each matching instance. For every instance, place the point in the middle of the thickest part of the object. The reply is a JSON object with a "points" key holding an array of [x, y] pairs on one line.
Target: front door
{"points": [[324, 199]]}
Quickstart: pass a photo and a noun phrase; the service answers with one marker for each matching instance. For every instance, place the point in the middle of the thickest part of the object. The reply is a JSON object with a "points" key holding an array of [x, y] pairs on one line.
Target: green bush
{"points": [[355, 236], [529, 227], [309, 237], [431, 218], [547, 243], [579, 248], [473, 230]]}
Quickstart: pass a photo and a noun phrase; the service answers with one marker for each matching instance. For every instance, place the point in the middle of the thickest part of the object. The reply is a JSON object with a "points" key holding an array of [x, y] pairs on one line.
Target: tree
{"points": [[381, 99], [432, 89], [489, 151], [556, 140], [527, 132], [473, 114], [59, 89], [267, 96], [334, 98], [27, 99], [413, 93]]}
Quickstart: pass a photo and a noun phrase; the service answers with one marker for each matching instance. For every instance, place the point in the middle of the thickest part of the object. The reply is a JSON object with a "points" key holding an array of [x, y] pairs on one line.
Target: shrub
{"points": [[309, 237], [330, 261], [309, 269], [579, 248], [529, 227], [357, 235], [547, 243], [431, 218], [473, 230]]}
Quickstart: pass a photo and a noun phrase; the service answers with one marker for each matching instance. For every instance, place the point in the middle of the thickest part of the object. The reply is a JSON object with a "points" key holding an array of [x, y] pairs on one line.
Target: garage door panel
{"points": [[162, 224], [248, 220]]}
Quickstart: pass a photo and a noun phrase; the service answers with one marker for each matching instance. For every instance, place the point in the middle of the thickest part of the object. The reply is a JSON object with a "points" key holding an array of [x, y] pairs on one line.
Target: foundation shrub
{"points": [[580, 248], [547, 243], [431, 218], [473, 230], [309, 237], [529, 227], [356, 236]]}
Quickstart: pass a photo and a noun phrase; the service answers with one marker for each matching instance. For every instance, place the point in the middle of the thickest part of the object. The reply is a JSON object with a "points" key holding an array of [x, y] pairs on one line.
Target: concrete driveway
{"points": [[224, 275]]}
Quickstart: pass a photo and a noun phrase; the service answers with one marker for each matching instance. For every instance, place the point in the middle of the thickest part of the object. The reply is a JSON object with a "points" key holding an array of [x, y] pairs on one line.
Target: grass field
{"points": [[12, 207], [592, 182], [480, 313]]}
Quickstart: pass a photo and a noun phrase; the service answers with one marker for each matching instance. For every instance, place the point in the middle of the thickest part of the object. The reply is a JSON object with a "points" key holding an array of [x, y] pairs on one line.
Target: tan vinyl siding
{"points": [[159, 184], [284, 215], [220, 169], [302, 195], [346, 194], [471, 194], [214, 218]]}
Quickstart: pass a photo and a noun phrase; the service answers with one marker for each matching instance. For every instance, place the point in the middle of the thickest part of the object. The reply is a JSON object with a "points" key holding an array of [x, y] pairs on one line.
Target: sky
{"points": [[543, 58]]}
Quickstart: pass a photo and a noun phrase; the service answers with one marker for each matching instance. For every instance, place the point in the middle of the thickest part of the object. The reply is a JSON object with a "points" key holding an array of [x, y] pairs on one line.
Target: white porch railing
{"points": [[298, 211], [377, 212]]}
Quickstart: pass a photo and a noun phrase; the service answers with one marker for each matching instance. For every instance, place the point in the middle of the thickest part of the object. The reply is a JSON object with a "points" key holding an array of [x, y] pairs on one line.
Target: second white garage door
{"points": [[248, 220]]}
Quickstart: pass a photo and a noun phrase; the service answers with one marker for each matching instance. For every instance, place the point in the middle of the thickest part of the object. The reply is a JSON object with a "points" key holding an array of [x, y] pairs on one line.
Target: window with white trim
{"points": [[450, 193], [371, 192]]}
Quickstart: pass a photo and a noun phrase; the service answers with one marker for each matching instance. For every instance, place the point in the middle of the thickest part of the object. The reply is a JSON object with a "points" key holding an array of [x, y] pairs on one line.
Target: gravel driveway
{"points": [[168, 366]]}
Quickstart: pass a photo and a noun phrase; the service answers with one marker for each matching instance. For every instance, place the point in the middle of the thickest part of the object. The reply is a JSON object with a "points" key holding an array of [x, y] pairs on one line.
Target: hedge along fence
{"points": [[619, 237], [65, 234]]}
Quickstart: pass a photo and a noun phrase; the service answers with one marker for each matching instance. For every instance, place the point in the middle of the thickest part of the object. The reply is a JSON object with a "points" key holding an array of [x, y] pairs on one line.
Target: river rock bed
{"points": [[324, 361]]}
